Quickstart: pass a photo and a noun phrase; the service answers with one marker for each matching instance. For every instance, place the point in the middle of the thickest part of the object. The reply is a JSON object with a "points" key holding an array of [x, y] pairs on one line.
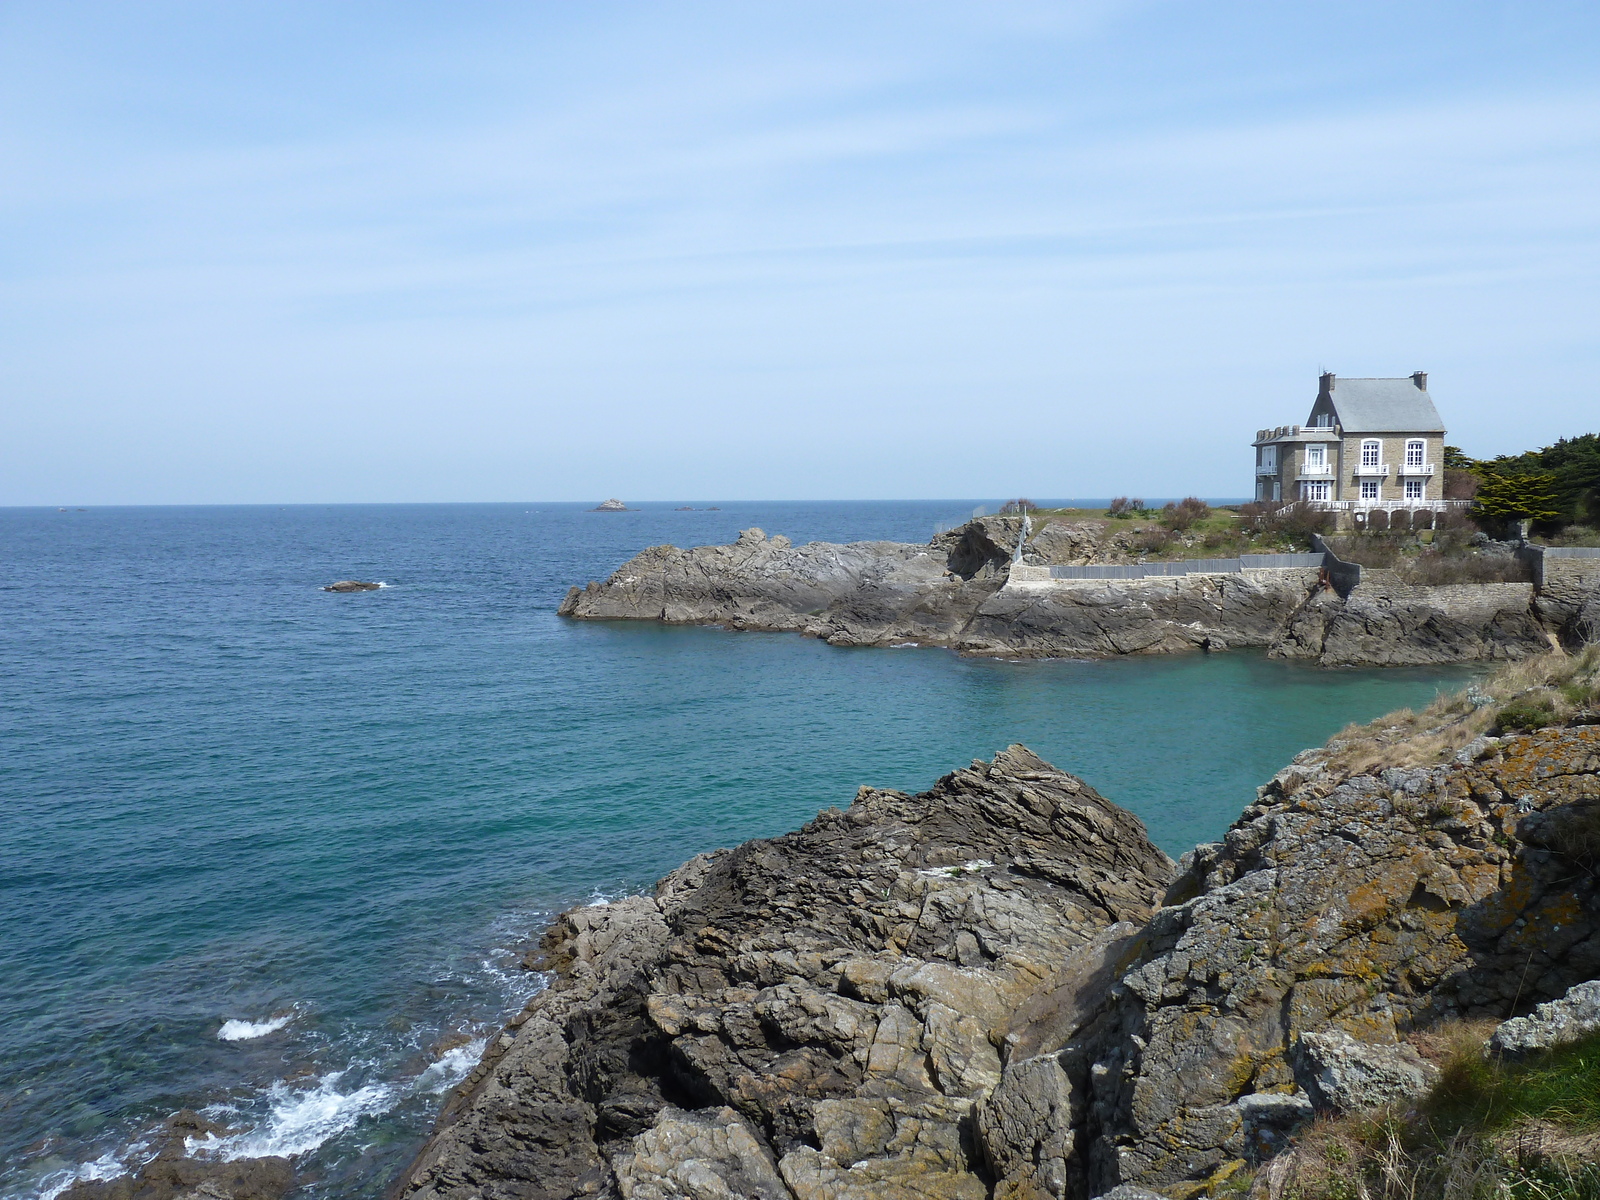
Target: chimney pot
{"points": [[1420, 378]]}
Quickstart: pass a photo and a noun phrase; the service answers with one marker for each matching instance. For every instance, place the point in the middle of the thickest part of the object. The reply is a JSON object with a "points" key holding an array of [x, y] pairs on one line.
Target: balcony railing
{"points": [[1388, 505], [1321, 470], [1381, 470], [1266, 468], [1417, 469]]}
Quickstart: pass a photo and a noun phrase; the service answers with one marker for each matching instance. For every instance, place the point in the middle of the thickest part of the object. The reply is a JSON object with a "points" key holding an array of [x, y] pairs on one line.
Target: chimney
{"points": [[1420, 378], [1326, 381]]}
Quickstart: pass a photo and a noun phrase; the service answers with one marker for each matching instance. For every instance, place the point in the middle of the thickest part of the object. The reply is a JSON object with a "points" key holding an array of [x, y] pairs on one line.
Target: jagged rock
{"points": [[1569, 600], [612, 505], [1344, 1075], [1553, 1023], [1127, 1191], [1368, 904], [1385, 622], [830, 1003], [967, 993], [352, 585], [695, 1156]]}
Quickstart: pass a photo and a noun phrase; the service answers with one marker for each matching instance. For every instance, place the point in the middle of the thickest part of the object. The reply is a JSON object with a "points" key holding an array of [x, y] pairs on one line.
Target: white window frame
{"points": [[1370, 489], [1269, 458], [1415, 489], [1371, 453], [1316, 489], [1416, 452], [1316, 456]]}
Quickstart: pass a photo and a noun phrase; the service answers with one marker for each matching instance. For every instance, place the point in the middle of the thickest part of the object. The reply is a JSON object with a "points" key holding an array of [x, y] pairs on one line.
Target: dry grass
{"points": [[1489, 1129], [1550, 689]]}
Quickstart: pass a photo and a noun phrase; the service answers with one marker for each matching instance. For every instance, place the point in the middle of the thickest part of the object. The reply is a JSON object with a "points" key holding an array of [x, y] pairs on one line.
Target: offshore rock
{"points": [[817, 1016], [612, 505], [352, 585]]}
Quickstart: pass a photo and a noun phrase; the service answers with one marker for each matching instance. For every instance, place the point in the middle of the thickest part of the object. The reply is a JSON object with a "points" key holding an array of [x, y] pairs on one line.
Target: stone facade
{"points": [[1366, 443]]}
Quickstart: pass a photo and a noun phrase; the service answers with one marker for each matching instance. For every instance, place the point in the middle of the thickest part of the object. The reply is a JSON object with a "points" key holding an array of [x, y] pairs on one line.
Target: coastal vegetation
{"points": [[1556, 488], [1550, 689], [1191, 528]]}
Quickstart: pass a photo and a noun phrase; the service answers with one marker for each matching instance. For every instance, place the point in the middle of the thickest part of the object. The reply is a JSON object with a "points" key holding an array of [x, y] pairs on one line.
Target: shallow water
{"points": [[278, 852]]}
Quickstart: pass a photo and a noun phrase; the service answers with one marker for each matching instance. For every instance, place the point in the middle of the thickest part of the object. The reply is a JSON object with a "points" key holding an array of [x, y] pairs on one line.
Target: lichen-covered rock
{"points": [[1341, 1074], [1554, 1023], [818, 1012], [1365, 904]]}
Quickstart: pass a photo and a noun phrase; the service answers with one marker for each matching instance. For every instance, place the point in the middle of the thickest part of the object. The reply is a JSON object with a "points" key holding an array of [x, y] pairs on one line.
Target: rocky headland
{"points": [[958, 591], [1000, 989]]}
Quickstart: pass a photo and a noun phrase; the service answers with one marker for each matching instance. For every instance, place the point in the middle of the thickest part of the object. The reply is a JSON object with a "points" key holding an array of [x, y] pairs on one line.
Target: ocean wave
{"points": [[298, 1121], [451, 1068], [236, 1030]]}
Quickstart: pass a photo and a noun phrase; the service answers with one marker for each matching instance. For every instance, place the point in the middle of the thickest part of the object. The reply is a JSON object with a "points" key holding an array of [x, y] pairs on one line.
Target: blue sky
{"points": [[280, 252]]}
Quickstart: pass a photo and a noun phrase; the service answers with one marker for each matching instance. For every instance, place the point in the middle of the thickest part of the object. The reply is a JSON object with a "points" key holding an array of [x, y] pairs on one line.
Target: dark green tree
{"points": [[1522, 497]]}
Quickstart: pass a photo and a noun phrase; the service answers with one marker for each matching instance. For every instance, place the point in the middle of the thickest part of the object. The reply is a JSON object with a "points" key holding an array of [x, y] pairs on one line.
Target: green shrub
{"points": [[1525, 713]]}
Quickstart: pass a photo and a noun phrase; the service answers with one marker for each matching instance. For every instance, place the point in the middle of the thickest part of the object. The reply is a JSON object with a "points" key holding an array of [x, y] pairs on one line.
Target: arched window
{"points": [[1371, 453], [1414, 452]]}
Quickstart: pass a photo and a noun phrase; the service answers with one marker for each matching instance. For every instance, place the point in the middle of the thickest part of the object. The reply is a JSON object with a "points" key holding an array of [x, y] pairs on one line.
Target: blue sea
{"points": [[275, 853]]}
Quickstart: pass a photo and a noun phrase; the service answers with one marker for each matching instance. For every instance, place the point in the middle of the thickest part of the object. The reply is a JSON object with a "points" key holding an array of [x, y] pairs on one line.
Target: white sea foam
{"points": [[299, 1121], [451, 1068], [235, 1030], [107, 1166]]}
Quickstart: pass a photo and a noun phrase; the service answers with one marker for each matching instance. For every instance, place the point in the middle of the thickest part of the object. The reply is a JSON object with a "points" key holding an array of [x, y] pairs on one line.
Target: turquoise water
{"points": [[228, 796]]}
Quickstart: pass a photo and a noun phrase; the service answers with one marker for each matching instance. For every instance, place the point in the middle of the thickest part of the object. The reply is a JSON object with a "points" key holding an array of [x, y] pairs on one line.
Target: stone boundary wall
{"points": [[1023, 573], [1537, 556]]}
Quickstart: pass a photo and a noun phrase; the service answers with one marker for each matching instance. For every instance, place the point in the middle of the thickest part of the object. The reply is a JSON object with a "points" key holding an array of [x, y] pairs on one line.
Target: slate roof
{"points": [[1384, 406]]}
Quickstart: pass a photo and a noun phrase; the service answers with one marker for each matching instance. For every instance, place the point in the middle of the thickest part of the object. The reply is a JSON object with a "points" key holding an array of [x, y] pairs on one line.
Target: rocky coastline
{"points": [[957, 591], [1000, 989]]}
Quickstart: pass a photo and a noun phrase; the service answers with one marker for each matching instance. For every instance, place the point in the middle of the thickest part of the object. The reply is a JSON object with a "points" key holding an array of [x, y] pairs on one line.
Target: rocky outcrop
{"points": [[612, 505], [1000, 989], [352, 585], [1569, 599], [866, 593], [818, 1015], [1386, 622], [1366, 904], [956, 591], [1103, 617]]}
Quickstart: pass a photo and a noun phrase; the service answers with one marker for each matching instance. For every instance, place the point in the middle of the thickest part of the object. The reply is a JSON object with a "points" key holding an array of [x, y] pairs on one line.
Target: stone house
{"points": [[1368, 443]]}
